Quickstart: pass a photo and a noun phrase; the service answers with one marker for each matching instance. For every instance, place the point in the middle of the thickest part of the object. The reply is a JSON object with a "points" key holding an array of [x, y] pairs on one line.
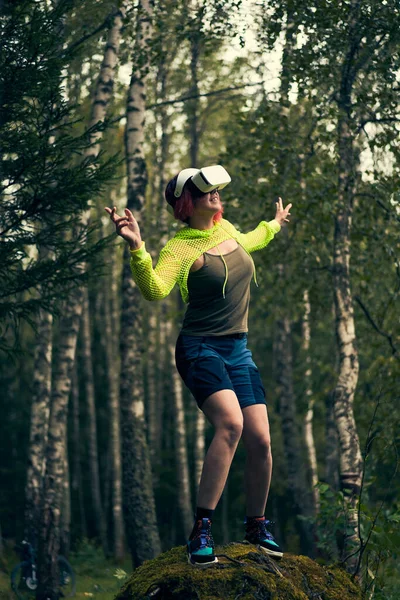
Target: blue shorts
{"points": [[208, 364]]}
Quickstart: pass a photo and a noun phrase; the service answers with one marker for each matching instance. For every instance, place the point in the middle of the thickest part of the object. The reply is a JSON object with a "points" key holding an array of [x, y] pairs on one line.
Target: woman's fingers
{"points": [[111, 212], [130, 216]]}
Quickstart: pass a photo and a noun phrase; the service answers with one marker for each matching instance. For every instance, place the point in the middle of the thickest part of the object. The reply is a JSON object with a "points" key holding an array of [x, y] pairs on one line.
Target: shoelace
{"points": [[261, 527], [203, 532]]}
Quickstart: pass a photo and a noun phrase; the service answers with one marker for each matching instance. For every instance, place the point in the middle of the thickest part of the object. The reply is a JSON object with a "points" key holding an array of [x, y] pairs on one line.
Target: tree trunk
{"points": [[292, 440], [296, 484], [331, 435], [49, 539], [182, 463], [331, 446], [76, 480], [98, 520], [199, 446], [343, 394], [65, 533], [308, 421], [39, 422], [194, 136], [152, 373], [114, 416], [164, 370], [138, 496]]}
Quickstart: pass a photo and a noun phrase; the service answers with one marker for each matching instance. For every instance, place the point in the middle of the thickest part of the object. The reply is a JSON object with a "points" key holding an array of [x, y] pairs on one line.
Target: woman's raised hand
{"points": [[282, 213], [127, 227]]}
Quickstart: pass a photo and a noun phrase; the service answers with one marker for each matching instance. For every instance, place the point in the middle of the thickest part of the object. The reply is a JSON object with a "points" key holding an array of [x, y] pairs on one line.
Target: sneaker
{"points": [[257, 533], [201, 545]]}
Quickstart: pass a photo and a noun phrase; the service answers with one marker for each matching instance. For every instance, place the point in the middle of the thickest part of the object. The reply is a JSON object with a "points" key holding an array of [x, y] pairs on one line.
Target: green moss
{"points": [[257, 577]]}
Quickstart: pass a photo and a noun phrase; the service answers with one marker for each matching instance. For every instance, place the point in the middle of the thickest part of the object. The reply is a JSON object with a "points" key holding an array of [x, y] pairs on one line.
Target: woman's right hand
{"points": [[127, 227]]}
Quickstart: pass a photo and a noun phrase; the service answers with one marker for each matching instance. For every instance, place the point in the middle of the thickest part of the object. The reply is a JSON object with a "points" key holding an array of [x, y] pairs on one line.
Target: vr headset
{"points": [[205, 179]]}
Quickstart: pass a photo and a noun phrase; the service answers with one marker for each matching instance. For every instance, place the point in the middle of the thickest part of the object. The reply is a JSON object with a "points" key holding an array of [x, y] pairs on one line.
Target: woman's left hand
{"points": [[282, 213]]}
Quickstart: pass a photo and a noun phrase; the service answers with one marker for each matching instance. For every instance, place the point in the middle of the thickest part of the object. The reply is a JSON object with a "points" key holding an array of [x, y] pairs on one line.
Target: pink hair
{"points": [[184, 205]]}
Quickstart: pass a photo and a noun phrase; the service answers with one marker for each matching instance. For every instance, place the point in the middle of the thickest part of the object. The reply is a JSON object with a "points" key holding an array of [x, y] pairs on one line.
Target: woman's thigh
{"points": [[222, 410], [255, 426]]}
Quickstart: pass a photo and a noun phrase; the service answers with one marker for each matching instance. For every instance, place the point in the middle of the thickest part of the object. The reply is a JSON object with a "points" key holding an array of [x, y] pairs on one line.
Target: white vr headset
{"points": [[205, 179]]}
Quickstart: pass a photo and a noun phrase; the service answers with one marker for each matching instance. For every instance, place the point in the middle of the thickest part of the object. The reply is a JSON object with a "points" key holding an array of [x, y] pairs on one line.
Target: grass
{"points": [[95, 575]]}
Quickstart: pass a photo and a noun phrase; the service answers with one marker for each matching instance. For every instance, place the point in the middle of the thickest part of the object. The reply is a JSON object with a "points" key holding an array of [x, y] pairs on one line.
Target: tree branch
{"points": [[375, 326], [106, 23], [206, 94]]}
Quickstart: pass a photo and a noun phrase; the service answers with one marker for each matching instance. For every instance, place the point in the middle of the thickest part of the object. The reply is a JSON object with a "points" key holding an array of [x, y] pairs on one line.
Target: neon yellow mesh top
{"points": [[180, 252]]}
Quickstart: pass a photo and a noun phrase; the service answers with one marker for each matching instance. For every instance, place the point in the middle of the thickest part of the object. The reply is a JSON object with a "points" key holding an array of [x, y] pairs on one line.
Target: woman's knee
{"points": [[230, 430], [260, 445]]}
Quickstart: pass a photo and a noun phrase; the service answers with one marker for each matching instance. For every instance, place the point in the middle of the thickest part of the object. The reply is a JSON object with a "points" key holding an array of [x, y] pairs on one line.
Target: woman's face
{"points": [[209, 203]]}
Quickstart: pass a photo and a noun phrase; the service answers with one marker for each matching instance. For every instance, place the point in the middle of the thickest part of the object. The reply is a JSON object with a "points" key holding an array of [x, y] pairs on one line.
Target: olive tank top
{"points": [[208, 312]]}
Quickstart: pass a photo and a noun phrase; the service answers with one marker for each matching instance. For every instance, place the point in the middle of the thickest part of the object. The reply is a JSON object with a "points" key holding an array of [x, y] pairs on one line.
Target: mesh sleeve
{"points": [[260, 236], [156, 283]]}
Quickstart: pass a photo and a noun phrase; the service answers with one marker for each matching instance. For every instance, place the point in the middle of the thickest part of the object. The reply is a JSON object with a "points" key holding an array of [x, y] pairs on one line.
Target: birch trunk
{"points": [[39, 421], [65, 532], [296, 483], [69, 324], [153, 404], [331, 435], [163, 366], [138, 496], [292, 440], [156, 349], [181, 457], [350, 454], [331, 445], [308, 421], [343, 395], [76, 480], [49, 538], [194, 134], [98, 521], [114, 415]]}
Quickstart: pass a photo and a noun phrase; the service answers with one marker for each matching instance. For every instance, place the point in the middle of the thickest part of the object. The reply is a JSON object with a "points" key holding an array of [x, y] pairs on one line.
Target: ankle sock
{"points": [[250, 520], [204, 513]]}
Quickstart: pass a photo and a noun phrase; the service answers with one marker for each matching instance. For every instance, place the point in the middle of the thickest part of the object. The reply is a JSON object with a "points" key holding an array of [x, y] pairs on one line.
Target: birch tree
{"points": [[91, 437], [49, 538], [109, 309], [366, 57], [138, 496]]}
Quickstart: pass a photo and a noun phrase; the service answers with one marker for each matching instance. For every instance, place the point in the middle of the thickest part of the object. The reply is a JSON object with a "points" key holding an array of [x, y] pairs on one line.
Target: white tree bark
{"points": [[69, 325], [181, 456], [39, 421], [113, 372], [91, 435], [308, 420], [76, 480], [138, 495], [350, 453]]}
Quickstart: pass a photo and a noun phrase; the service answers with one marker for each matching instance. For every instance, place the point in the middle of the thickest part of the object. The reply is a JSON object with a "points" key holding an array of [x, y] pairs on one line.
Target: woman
{"points": [[210, 260]]}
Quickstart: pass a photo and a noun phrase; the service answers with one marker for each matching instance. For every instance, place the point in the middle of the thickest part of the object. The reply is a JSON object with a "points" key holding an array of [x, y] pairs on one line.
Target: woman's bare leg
{"points": [[223, 412], [256, 438]]}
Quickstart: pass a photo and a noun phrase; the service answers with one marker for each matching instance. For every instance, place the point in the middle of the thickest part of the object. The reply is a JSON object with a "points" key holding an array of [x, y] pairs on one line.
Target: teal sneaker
{"points": [[200, 546], [258, 533]]}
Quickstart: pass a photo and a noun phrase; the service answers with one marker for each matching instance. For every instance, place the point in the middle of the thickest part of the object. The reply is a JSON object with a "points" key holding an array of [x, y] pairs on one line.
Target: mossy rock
{"points": [[248, 574]]}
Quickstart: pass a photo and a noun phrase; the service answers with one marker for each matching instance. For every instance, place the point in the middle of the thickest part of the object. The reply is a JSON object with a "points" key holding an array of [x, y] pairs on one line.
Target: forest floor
{"points": [[96, 577]]}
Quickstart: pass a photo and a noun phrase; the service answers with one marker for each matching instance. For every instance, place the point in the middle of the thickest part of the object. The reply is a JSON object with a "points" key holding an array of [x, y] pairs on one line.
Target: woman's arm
{"points": [[265, 231], [153, 283], [156, 283], [260, 236]]}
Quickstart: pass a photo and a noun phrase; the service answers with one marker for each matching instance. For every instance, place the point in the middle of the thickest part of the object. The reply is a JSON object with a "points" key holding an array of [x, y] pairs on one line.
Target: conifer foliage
{"points": [[45, 181]]}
